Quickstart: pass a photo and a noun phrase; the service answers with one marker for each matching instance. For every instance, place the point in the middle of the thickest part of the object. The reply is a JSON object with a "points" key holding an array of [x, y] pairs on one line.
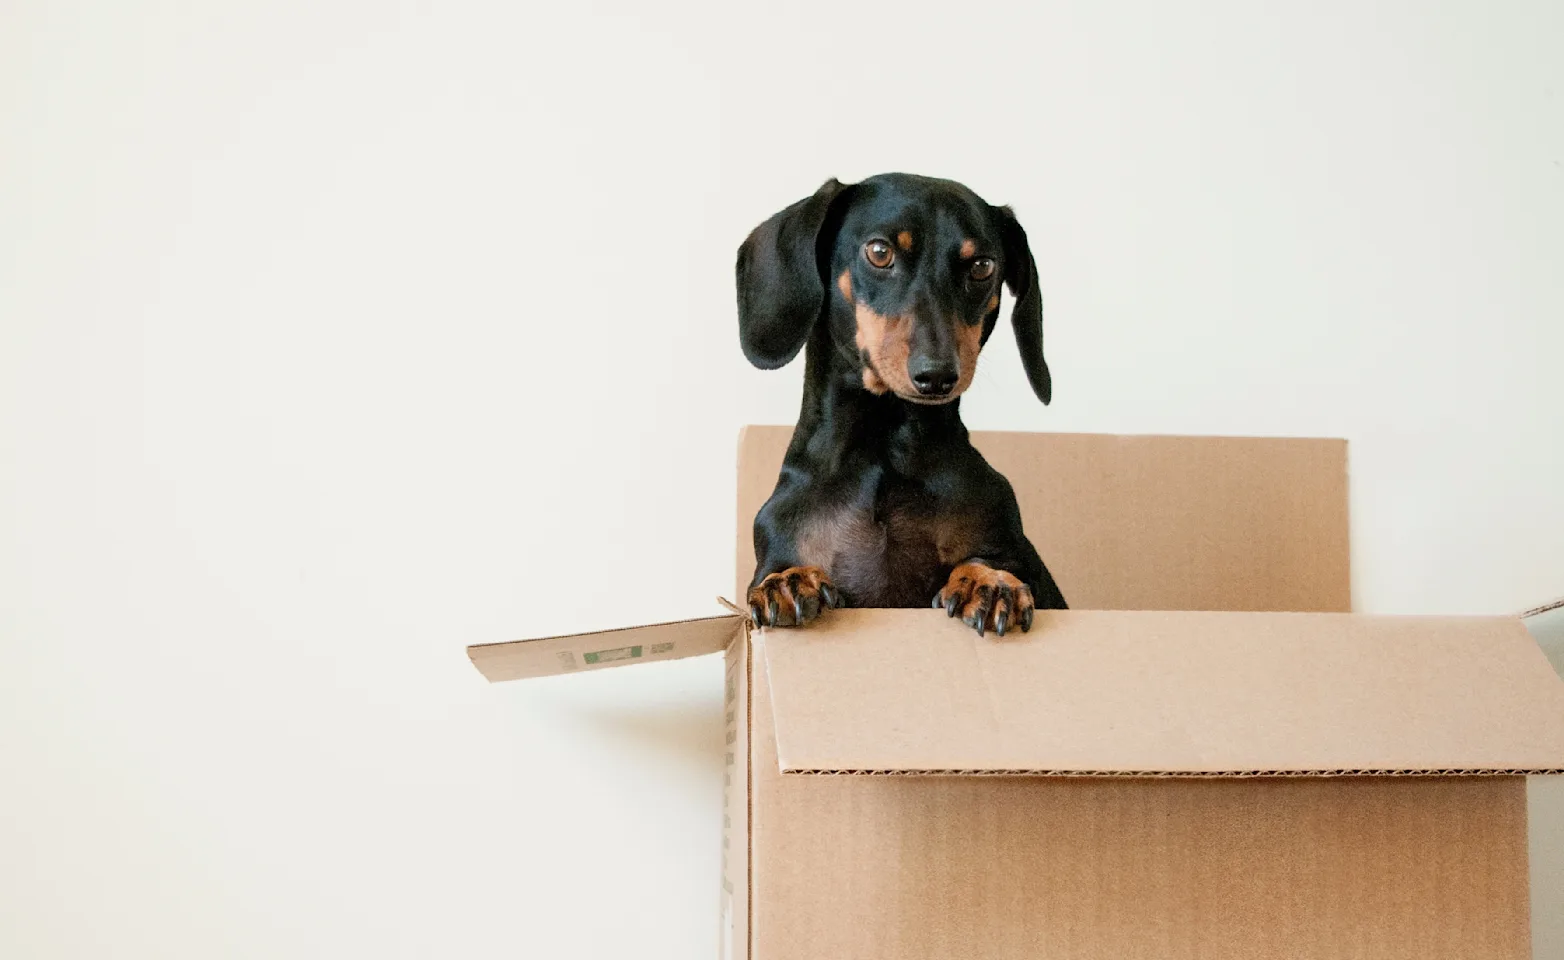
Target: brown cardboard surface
{"points": [[1161, 693], [1005, 868], [1152, 522], [1016, 868], [1008, 867], [547, 656]]}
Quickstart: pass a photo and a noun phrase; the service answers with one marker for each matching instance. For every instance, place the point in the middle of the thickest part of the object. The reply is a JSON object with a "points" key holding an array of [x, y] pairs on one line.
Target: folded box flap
{"points": [[1546, 624], [1164, 694], [547, 656]]}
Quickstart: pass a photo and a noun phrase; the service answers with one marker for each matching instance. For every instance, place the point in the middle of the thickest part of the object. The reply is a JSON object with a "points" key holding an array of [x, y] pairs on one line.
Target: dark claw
{"points": [[755, 613], [984, 607], [1026, 620], [795, 586], [951, 604], [939, 600], [830, 596], [1007, 599], [1001, 621], [771, 611]]}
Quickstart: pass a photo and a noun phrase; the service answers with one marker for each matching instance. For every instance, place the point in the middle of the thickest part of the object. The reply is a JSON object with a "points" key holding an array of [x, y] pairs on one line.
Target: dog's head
{"points": [[906, 272]]}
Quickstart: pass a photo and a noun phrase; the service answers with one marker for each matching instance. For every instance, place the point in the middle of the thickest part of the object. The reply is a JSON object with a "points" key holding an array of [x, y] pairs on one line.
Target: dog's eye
{"points": [[878, 253], [982, 268]]}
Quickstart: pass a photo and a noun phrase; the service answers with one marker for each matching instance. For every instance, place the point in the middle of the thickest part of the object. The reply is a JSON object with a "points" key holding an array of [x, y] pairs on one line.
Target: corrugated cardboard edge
{"points": [[1545, 608], [1184, 774]]}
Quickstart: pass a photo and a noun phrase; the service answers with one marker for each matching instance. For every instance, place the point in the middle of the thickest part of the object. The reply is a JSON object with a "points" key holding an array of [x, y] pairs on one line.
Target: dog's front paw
{"points": [[792, 598], [986, 598]]}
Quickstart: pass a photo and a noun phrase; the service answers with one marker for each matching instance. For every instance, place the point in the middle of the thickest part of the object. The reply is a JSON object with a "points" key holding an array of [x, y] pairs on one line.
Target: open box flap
{"points": [[1164, 694], [1150, 522], [1546, 624], [548, 656]]}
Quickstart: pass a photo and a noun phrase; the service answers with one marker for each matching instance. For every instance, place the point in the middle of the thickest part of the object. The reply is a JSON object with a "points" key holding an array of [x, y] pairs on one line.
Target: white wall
{"points": [[333, 338]]}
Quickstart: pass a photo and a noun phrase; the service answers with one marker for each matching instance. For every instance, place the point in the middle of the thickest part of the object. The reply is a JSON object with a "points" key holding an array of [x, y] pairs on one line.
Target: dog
{"points": [[891, 287]]}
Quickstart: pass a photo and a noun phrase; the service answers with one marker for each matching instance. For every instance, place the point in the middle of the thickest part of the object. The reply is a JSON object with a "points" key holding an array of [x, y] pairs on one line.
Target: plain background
{"points": [[336, 335]]}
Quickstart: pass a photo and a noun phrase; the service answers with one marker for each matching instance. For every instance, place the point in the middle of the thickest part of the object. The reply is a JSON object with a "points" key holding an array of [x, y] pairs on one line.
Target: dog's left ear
{"points": [[780, 286], [1027, 314]]}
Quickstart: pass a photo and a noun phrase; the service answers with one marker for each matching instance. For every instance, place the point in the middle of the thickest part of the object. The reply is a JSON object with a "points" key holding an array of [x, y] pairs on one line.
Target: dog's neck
{"points": [[840, 420]]}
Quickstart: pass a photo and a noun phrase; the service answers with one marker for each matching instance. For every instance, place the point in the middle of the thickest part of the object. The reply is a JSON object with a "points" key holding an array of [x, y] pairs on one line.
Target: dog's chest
{"points": [[892, 546]]}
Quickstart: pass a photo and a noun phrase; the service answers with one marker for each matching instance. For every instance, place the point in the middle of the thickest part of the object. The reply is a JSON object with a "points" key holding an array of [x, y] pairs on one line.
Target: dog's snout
{"points": [[934, 377]]}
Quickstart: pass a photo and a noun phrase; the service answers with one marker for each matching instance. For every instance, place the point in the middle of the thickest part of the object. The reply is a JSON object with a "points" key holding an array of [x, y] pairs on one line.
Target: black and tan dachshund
{"points": [[891, 288]]}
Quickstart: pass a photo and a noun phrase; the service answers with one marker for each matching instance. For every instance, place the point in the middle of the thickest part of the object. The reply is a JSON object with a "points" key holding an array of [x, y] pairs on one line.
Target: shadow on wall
{"points": [[685, 736]]}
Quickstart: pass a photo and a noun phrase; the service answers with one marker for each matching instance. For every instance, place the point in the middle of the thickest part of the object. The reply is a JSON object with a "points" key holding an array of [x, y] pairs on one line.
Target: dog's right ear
{"points": [[1027, 314], [781, 287]]}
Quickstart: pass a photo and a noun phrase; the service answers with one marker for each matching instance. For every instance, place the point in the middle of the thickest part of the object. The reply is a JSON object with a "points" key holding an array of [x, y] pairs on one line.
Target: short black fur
{"points": [[882, 499]]}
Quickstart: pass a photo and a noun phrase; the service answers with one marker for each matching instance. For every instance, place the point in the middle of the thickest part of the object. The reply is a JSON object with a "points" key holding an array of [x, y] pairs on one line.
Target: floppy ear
{"points": [[780, 285], [1027, 314]]}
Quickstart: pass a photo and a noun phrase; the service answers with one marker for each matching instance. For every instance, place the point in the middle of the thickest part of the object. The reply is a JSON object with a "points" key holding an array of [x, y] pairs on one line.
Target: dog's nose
{"points": [[933, 378]]}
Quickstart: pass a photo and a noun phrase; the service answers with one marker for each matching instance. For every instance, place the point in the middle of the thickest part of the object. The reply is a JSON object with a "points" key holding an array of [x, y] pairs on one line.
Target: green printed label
{"points": [[609, 656]]}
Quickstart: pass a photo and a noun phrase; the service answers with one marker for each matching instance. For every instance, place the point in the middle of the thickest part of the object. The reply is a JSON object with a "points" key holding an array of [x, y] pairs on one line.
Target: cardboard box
{"points": [[1545, 803], [1546, 624], [1206, 757]]}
